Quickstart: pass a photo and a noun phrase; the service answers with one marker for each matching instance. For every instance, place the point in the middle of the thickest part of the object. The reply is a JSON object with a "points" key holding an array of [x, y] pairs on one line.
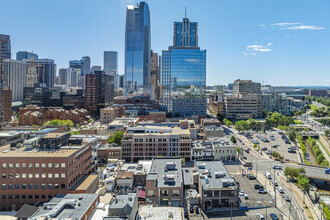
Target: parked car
{"points": [[277, 167], [262, 191], [273, 216], [264, 148], [269, 152], [247, 150], [272, 138], [287, 198], [280, 190], [246, 196], [268, 175], [327, 171], [258, 186], [247, 164], [241, 194], [244, 157], [275, 183], [197, 210], [260, 216], [251, 177]]}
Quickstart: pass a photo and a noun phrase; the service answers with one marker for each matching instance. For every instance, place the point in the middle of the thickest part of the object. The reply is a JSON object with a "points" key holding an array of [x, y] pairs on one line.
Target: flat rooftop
{"points": [[147, 212], [64, 151], [167, 172], [66, 206], [214, 176]]}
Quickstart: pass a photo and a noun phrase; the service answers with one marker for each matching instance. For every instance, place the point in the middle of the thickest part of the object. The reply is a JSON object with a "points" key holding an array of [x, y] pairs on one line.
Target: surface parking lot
{"points": [[282, 149], [254, 198]]}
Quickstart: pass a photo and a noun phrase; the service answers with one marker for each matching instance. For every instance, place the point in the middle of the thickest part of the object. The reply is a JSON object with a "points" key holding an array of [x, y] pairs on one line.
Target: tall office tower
{"points": [[154, 81], [137, 48], [21, 55], [246, 102], [99, 91], [5, 53], [246, 87], [121, 81], [32, 75], [15, 78], [183, 74], [110, 62], [71, 76], [185, 34], [75, 64], [110, 65], [95, 68], [46, 71], [85, 65], [62, 73]]}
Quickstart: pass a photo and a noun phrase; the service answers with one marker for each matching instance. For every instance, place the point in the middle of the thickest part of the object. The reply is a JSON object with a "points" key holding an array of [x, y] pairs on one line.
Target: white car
{"points": [[241, 194], [280, 190], [260, 216]]}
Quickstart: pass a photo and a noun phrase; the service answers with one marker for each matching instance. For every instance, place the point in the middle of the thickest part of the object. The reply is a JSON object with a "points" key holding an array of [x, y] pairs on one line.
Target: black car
{"points": [[251, 177], [258, 186]]}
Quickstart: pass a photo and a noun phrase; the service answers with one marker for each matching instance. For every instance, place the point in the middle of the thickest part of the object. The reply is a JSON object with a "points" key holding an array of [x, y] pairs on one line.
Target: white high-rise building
{"points": [[15, 78]]}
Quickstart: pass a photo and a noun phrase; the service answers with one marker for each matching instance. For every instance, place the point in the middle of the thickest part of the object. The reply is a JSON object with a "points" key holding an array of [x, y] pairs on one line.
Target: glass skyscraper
{"points": [[21, 55], [183, 73], [110, 62], [185, 34], [137, 48]]}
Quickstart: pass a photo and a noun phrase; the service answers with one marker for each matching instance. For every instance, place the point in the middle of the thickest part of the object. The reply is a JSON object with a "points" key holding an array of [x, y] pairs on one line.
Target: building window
{"points": [[43, 165], [176, 202], [17, 165], [57, 165], [16, 196], [30, 186], [4, 165], [4, 186], [43, 175], [23, 186], [63, 186], [36, 165], [43, 186], [30, 175], [23, 196], [63, 175], [10, 165], [10, 186], [50, 165], [175, 192], [4, 176], [36, 175], [17, 175], [23, 175], [10, 176], [151, 193], [16, 186], [4, 196], [63, 165], [50, 186], [50, 175], [36, 186], [56, 175], [43, 196], [56, 186], [30, 165], [23, 165], [36, 196]]}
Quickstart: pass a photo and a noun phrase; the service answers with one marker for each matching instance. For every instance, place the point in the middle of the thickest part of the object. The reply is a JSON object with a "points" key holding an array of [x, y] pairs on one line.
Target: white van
{"points": [[268, 175]]}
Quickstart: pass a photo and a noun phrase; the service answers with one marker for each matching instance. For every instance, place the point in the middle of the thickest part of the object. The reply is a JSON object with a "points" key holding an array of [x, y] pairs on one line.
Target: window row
{"points": [[24, 196], [31, 175], [31, 165], [33, 186]]}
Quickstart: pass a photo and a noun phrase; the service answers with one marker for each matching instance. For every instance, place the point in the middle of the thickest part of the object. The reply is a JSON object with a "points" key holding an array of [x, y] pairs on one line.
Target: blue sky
{"points": [[273, 42]]}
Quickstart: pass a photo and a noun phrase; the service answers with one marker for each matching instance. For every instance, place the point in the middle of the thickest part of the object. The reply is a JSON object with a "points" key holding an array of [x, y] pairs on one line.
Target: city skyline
{"points": [[250, 41]]}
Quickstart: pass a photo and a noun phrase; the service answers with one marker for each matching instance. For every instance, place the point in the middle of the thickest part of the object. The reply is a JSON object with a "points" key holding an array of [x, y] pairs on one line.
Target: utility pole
{"points": [[274, 186], [290, 210], [231, 210]]}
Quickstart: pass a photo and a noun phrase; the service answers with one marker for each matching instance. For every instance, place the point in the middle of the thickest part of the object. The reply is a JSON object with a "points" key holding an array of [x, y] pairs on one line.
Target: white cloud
{"points": [[327, 80], [253, 49], [296, 26]]}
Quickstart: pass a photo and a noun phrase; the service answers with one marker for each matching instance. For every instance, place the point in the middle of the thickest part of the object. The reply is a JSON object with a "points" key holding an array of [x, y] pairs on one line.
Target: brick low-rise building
{"points": [[30, 175], [33, 115], [216, 187], [146, 142], [164, 182]]}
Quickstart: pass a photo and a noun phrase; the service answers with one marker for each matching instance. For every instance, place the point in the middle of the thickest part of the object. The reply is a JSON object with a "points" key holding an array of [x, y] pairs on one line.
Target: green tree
{"points": [[252, 123], [116, 138], [303, 182], [242, 126], [327, 133], [292, 135], [233, 139]]}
